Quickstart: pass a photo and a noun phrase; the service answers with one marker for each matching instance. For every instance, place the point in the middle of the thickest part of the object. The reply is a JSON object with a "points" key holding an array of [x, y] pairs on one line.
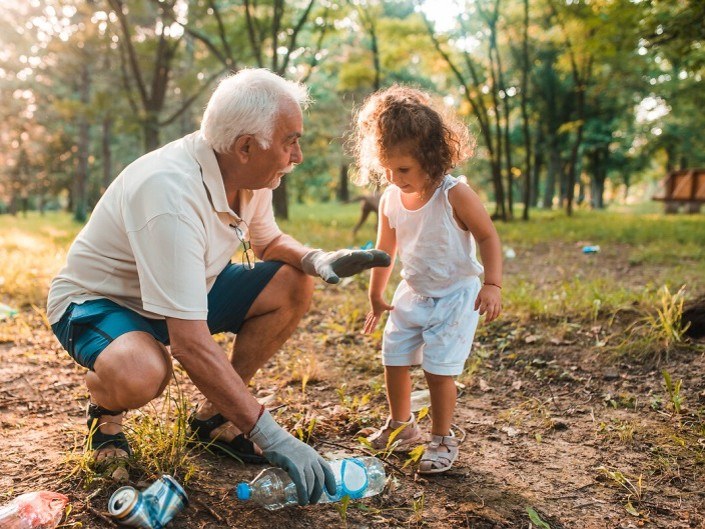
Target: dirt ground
{"points": [[552, 422]]}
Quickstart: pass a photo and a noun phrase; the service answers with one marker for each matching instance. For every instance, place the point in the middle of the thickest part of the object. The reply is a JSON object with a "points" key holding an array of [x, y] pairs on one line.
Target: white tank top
{"points": [[437, 256]]}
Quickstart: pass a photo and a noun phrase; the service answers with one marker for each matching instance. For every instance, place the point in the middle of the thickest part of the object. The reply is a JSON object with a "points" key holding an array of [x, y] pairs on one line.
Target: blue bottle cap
{"points": [[243, 491]]}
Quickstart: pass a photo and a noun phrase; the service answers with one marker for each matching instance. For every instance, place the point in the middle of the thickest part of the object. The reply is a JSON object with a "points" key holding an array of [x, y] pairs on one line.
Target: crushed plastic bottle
{"points": [[34, 510], [591, 249], [356, 477]]}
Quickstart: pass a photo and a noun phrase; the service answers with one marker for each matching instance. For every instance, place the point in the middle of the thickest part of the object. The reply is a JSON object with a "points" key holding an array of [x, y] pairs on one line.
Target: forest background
{"points": [[572, 102]]}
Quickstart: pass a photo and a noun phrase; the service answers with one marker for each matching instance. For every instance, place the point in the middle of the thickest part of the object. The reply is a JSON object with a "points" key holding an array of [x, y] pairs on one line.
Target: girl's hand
{"points": [[489, 302], [378, 307]]}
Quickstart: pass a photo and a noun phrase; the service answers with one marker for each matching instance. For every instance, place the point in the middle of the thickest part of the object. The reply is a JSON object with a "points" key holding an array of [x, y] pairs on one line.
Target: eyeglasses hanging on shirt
{"points": [[248, 254]]}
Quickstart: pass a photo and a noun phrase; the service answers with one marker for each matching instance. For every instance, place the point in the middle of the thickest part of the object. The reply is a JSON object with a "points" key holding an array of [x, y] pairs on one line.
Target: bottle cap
{"points": [[353, 477], [243, 491]]}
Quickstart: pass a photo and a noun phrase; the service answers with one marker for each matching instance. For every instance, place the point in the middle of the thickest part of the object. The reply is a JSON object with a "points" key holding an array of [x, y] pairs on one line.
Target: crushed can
{"points": [[152, 508]]}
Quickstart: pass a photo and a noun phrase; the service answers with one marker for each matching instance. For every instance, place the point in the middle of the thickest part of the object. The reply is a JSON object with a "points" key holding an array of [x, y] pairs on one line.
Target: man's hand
{"points": [[331, 266], [308, 470]]}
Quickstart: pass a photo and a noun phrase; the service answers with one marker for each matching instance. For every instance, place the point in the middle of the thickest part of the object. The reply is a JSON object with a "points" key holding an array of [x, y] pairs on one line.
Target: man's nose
{"points": [[297, 155]]}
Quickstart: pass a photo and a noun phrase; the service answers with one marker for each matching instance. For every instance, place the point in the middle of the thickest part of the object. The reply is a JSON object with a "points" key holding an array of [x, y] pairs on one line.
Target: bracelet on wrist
{"points": [[492, 285]]}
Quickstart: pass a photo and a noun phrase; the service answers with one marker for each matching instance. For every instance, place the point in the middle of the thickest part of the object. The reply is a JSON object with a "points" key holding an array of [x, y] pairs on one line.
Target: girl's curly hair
{"points": [[407, 118]]}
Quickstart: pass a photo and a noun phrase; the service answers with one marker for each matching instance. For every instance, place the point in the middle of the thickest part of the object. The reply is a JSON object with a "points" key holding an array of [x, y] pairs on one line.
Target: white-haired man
{"points": [[152, 268]]}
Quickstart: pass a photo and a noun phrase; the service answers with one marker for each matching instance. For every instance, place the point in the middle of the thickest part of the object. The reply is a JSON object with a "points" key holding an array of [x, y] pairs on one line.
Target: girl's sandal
{"points": [[440, 454], [407, 435]]}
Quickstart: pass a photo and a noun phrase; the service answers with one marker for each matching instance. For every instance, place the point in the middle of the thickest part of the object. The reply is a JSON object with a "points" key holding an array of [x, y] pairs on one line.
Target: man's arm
{"points": [[330, 266], [209, 369], [282, 248]]}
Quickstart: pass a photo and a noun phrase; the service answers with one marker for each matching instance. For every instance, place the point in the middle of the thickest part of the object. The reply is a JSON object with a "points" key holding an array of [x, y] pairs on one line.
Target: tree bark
{"points": [[343, 181], [525, 113], [80, 212], [107, 152]]}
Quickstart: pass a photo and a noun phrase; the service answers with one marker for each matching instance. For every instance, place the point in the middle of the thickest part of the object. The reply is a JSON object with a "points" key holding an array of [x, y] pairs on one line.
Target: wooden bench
{"points": [[684, 187]]}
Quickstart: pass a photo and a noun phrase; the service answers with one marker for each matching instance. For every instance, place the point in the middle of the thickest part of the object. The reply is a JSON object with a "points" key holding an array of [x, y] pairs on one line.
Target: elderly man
{"points": [[152, 268]]}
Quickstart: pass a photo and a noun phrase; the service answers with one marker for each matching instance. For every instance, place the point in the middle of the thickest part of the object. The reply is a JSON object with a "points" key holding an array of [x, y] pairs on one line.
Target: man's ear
{"points": [[243, 147]]}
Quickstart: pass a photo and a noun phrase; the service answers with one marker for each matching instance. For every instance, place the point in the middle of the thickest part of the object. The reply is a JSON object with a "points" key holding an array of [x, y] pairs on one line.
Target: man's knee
{"points": [[133, 377], [294, 286]]}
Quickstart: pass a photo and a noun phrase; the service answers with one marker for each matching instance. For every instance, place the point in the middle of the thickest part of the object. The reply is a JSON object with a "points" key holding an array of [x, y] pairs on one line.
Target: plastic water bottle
{"points": [[356, 477], [33, 510], [6, 311]]}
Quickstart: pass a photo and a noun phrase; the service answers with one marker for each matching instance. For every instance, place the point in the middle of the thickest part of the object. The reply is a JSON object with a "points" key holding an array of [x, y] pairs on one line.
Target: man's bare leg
{"points": [[271, 320], [129, 373]]}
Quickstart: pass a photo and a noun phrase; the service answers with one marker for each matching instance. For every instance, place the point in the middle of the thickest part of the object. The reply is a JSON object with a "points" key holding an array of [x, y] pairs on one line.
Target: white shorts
{"points": [[436, 333]]}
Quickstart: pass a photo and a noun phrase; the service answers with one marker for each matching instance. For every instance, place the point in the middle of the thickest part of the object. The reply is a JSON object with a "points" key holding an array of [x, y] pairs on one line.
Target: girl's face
{"points": [[405, 172]]}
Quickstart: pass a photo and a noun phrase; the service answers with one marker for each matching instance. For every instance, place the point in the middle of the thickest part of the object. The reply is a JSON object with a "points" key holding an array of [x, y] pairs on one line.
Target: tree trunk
{"points": [[280, 201], [107, 153], [554, 169], [343, 190], [525, 113], [150, 128], [536, 174], [81, 181]]}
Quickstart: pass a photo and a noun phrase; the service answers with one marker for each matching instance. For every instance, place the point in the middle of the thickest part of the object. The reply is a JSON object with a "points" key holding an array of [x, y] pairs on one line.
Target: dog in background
{"points": [[368, 204]]}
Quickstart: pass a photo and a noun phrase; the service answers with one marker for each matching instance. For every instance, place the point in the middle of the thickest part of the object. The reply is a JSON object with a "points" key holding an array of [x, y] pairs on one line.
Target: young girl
{"points": [[432, 220]]}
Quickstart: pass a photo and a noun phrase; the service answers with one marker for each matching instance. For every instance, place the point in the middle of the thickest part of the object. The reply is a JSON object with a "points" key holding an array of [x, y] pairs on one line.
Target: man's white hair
{"points": [[248, 102]]}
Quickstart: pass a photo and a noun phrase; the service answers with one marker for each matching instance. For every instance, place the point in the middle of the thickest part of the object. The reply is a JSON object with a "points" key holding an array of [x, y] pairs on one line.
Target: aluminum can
{"points": [[152, 508]]}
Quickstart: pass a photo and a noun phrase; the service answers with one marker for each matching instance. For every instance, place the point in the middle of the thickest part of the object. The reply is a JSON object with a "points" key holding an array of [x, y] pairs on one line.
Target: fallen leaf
{"points": [[511, 431], [484, 386]]}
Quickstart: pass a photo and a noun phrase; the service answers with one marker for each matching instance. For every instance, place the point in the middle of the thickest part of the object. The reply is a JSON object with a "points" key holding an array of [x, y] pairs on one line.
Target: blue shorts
{"points": [[86, 329]]}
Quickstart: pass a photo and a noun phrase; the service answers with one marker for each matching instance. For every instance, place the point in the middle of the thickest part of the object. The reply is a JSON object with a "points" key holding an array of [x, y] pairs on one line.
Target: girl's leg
{"points": [[443, 395], [398, 382], [442, 451]]}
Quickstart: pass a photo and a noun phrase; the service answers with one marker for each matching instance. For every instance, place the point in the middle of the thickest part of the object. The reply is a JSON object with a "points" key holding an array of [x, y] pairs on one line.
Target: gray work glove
{"points": [[331, 266], [308, 470]]}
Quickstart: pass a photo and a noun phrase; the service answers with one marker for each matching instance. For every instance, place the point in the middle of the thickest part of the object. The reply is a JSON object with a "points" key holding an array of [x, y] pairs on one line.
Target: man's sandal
{"points": [[440, 454], [96, 440], [240, 447]]}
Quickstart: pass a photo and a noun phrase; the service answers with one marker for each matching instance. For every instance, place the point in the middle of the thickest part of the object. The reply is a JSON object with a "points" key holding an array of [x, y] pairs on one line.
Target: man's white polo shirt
{"points": [[160, 235]]}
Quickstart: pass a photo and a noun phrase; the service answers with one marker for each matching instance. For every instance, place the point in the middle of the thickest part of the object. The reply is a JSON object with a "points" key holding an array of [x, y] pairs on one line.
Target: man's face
{"points": [[269, 165]]}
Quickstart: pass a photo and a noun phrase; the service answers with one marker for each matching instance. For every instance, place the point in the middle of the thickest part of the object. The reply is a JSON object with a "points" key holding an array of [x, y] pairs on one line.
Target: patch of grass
{"points": [[578, 298], [622, 430], [658, 332], [632, 487], [532, 412], [32, 250], [536, 519], [302, 368], [673, 389], [607, 228], [161, 440], [159, 437]]}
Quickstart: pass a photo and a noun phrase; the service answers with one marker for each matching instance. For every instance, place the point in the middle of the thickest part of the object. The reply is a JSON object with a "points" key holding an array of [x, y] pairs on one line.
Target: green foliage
{"points": [[659, 331], [32, 249], [160, 440], [536, 519], [674, 392]]}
